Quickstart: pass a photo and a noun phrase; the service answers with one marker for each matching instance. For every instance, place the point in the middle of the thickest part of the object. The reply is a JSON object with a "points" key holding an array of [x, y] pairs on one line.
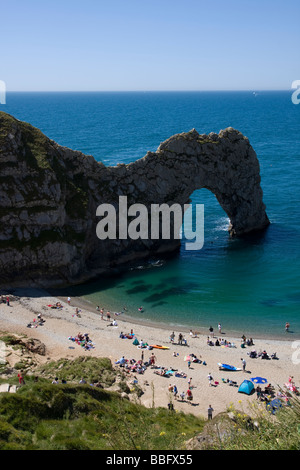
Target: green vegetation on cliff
{"points": [[72, 416]]}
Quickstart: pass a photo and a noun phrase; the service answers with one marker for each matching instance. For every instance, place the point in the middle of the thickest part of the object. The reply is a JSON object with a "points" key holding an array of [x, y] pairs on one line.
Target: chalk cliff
{"points": [[49, 195]]}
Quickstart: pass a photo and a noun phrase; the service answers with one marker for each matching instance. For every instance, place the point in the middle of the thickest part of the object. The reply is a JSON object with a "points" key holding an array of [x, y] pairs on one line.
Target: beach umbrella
{"points": [[259, 380]]}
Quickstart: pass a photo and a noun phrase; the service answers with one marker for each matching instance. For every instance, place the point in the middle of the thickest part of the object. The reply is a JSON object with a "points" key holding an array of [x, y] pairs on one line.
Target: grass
{"points": [[46, 416], [266, 431]]}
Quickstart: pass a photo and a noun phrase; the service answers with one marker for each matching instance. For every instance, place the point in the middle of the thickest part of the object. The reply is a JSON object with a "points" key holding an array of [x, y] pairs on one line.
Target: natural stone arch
{"points": [[223, 163], [49, 196]]}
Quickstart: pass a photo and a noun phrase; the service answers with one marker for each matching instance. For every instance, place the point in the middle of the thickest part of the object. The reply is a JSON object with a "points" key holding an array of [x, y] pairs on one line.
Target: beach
{"points": [[62, 324]]}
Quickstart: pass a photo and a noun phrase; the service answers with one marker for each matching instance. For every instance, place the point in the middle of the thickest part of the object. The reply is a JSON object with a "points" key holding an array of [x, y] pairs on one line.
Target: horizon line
{"points": [[149, 91]]}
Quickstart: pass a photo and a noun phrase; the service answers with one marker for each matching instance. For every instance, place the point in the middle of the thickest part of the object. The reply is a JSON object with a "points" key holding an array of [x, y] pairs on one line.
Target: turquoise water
{"points": [[252, 285]]}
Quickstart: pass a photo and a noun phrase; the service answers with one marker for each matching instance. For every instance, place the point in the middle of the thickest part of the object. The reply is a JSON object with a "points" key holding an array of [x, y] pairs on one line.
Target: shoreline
{"points": [[61, 324], [80, 302]]}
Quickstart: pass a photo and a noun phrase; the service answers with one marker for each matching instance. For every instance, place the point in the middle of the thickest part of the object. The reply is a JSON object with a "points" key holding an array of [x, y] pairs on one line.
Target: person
{"points": [[210, 412], [7, 301], [175, 391], [69, 300], [211, 330], [152, 359], [244, 364], [189, 395], [171, 406], [182, 396], [180, 338], [108, 316], [189, 364], [210, 378], [220, 328], [21, 379], [287, 326], [172, 336], [121, 361], [258, 392]]}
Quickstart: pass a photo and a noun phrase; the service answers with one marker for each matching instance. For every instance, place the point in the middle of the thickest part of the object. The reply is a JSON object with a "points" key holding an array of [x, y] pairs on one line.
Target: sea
{"points": [[249, 285]]}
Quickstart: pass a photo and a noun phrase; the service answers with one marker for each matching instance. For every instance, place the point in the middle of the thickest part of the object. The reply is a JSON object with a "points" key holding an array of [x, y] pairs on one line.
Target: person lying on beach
{"points": [[121, 361], [193, 335], [195, 359], [162, 372], [113, 323], [181, 375]]}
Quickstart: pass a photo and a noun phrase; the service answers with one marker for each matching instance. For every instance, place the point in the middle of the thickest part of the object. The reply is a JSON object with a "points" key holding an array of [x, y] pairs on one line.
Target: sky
{"points": [[127, 45]]}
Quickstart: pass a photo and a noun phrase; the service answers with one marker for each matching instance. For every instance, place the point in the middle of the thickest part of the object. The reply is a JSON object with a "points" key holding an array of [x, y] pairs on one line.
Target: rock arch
{"points": [[49, 195], [223, 163]]}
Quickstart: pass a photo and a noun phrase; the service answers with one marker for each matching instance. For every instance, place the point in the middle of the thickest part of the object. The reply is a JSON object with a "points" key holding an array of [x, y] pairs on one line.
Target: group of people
{"points": [[5, 300], [188, 395], [83, 340], [220, 342], [39, 321], [181, 340]]}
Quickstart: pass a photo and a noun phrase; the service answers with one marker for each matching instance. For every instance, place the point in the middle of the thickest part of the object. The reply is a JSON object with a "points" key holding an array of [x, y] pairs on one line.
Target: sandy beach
{"points": [[61, 324]]}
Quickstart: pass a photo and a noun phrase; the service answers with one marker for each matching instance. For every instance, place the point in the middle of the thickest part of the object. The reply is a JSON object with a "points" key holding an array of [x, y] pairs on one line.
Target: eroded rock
{"points": [[49, 195]]}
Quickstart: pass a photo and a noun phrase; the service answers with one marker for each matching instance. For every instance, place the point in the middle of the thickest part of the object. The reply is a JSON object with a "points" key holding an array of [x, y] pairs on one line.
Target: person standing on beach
{"points": [[189, 395], [152, 359], [220, 328], [69, 300], [210, 412], [211, 330], [244, 364], [287, 326]]}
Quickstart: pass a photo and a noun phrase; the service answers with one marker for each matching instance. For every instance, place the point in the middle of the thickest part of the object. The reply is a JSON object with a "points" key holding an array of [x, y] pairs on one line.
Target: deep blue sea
{"points": [[250, 286]]}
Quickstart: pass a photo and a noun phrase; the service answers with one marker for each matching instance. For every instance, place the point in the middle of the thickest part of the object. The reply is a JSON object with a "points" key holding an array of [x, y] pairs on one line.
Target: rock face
{"points": [[49, 195]]}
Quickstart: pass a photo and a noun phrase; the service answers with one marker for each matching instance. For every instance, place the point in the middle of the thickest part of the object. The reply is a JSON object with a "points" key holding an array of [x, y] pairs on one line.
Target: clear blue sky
{"points": [[149, 44]]}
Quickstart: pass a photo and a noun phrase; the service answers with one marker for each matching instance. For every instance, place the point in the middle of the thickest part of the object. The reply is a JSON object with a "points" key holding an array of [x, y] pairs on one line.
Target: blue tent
{"points": [[246, 387]]}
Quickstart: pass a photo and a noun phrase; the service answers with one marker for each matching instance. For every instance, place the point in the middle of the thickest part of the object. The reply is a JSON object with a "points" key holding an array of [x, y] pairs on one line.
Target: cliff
{"points": [[49, 195]]}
